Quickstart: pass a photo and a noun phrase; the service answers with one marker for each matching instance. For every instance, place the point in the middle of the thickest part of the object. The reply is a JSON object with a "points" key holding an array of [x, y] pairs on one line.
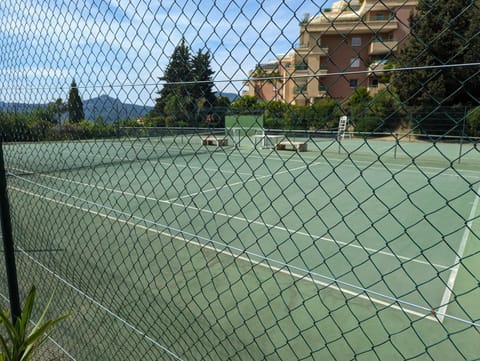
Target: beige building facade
{"points": [[339, 50]]}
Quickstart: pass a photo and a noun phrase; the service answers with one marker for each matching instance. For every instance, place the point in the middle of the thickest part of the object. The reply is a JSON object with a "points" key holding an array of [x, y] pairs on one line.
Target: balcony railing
{"points": [[382, 47], [301, 67], [300, 89], [377, 67]]}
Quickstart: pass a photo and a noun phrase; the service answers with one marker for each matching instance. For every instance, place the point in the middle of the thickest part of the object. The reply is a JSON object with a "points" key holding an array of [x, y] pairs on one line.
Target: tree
{"points": [[58, 107], [202, 74], [323, 114], [75, 105], [246, 104], [473, 121], [442, 33], [187, 97], [275, 114], [175, 100], [382, 112]]}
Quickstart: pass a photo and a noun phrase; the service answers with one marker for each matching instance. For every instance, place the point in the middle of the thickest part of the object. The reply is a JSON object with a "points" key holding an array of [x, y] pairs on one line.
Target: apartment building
{"points": [[339, 50]]}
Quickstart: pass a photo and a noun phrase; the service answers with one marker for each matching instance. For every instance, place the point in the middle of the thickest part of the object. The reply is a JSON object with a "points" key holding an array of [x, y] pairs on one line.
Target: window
{"points": [[353, 83], [356, 41], [355, 62]]}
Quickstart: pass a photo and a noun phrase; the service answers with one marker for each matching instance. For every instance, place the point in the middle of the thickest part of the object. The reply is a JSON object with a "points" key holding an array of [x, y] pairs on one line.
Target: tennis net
{"points": [[128, 146]]}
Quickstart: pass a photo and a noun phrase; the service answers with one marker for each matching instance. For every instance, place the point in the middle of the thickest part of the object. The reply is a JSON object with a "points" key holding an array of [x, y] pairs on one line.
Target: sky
{"points": [[120, 48]]}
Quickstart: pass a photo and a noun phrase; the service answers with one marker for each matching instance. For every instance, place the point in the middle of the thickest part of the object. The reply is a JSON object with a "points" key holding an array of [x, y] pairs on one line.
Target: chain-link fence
{"points": [[213, 180]]}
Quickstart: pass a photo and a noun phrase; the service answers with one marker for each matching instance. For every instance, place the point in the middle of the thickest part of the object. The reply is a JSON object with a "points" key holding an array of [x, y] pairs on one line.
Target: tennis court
{"points": [[256, 252]]}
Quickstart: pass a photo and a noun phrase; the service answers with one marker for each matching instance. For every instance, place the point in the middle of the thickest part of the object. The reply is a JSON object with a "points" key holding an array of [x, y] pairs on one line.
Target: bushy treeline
{"points": [[367, 113], [279, 115], [31, 126], [41, 125], [382, 112]]}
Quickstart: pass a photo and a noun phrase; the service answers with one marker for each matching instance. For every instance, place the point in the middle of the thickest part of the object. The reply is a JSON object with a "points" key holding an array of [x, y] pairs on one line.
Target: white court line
{"points": [[95, 302], [242, 182], [371, 165], [244, 255], [447, 294], [290, 231]]}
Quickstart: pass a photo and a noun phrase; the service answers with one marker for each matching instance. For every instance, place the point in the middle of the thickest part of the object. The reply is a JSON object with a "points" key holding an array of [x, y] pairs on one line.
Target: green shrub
{"points": [[473, 121], [18, 342]]}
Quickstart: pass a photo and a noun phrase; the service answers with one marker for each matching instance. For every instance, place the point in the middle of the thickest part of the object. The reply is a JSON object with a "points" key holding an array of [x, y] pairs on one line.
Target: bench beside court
{"points": [[219, 141], [287, 145]]}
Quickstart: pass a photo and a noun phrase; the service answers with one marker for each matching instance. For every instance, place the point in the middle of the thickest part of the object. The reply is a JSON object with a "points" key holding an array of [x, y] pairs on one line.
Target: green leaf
{"points": [[12, 332], [21, 345], [22, 322], [6, 353], [34, 340], [38, 332]]}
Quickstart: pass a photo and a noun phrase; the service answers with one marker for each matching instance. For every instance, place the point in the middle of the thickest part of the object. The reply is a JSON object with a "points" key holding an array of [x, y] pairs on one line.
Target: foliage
{"points": [[28, 127], [58, 107], [382, 112], [75, 105], [17, 343], [247, 104], [386, 77], [275, 115], [442, 32], [279, 115], [323, 114], [187, 97], [473, 121], [202, 73], [358, 109]]}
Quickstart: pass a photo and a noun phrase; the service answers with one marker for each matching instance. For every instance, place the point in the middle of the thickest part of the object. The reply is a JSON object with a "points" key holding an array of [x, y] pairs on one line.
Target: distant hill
{"points": [[103, 107], [230, 96], [111, 109], [18, 107], [107, 108]]}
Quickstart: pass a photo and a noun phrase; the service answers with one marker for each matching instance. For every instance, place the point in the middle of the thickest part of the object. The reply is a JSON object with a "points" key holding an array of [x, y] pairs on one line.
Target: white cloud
{"points": [[105, 44]]}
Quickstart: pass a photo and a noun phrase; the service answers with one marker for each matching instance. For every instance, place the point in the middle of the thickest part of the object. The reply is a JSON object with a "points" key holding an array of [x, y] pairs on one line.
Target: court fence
{"points": [[191, 199]]}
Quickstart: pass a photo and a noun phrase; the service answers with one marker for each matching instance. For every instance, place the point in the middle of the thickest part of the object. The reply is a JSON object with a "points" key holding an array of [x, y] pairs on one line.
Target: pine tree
{"points": [[202, 73], [442, 33], [75, 105], [175, 100], [191, 102]]}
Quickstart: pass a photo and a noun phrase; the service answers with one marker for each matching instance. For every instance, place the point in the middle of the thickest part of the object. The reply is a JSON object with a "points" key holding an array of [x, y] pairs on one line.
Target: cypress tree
{"points": [[75, 105], [175, 100]]}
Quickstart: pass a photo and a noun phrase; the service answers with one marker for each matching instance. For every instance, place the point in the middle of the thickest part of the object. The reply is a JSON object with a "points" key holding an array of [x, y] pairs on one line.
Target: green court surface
{"points": [[352, 248]]}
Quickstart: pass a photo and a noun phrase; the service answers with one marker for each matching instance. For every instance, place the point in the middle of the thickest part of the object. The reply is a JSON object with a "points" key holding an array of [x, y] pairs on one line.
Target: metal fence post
{"points": [[9, 252]]}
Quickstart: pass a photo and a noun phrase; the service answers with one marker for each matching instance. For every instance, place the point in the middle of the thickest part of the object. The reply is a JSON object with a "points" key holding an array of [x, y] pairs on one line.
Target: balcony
{"points": [[382, 47], [357, 26], [312, 50], [301, 67], [322, 91], [300, 89], [302, 46], [320, 50], [377, 67]]}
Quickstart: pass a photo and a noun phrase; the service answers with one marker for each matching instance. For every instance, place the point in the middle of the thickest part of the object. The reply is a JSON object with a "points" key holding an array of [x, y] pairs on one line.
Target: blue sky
{"points": [[121, 47]]}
